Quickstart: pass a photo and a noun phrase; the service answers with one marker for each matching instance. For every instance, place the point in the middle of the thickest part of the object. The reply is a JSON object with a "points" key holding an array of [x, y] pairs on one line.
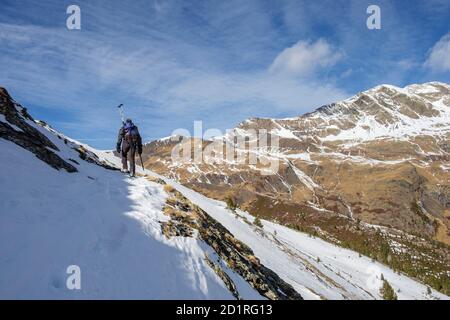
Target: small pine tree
{"points": [[257, 222], [387, 291], [429, 290]]}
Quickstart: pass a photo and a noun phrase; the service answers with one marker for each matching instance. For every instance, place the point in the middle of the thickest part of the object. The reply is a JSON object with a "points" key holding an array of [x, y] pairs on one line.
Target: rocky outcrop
{"points": [[16, 129], [242, 260], [188, 220], [91, 157], [20, 128], [225, 277]]}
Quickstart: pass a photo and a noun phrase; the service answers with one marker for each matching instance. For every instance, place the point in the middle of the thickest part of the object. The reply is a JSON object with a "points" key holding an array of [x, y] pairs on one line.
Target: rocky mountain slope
{"points": [[371, 173], [65, 203]]}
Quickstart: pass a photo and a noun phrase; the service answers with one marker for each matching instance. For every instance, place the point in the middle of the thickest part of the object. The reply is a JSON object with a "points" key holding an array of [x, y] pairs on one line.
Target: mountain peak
{"points": [[416, 88], [140, 222]]}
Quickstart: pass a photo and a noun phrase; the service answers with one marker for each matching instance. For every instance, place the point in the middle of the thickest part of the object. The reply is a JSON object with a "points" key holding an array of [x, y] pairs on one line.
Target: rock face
{"points": [[25, 135], [379, 158], [188, 220], [17, 126]]}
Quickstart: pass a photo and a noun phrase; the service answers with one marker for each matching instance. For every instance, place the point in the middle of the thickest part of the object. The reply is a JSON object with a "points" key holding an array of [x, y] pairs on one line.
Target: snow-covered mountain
{"points": [[64, 203], [377, 161]]}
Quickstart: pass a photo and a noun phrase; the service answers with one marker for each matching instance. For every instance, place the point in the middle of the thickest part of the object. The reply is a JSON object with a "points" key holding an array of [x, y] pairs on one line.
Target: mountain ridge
{"points": [[380, 158], [114, 227]]}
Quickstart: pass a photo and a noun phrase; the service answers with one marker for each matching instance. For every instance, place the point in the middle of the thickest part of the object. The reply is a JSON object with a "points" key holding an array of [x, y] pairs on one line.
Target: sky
{"points": [[173, 62]]}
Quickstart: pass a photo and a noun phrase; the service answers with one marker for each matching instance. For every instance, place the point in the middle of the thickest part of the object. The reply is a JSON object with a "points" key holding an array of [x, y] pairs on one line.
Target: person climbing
{"points": [[128, 142]]}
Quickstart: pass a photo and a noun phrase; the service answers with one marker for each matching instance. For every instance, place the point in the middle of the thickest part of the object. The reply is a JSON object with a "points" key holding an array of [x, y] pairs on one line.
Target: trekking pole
{"points": [[142, 163]]}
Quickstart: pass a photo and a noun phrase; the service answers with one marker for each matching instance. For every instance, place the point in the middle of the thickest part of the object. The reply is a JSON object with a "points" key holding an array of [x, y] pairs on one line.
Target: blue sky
{"points": [[172, 62]]}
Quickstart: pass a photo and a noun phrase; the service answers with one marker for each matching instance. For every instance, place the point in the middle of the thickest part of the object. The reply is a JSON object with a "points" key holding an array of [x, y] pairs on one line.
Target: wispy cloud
{"points": [[439, 57], [172, 62], [66, 70]]}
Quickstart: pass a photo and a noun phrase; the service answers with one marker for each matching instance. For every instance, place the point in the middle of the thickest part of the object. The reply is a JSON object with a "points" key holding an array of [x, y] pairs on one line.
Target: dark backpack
{"points": [[131, 132]]}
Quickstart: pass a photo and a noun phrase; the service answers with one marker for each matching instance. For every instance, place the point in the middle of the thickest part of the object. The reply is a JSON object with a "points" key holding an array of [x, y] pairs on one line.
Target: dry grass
{"points": [[179, 214], [152, 179], [168, 188], [172, 201], [254, 260], [156, 180], [167, 210]]}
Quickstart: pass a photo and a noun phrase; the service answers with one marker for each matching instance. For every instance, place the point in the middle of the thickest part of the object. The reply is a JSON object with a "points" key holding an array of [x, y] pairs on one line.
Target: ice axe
{"points": [[120, 107]]}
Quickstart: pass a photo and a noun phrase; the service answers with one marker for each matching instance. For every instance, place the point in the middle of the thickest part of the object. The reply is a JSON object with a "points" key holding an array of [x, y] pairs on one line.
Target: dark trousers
{"points": [[128, 152]]}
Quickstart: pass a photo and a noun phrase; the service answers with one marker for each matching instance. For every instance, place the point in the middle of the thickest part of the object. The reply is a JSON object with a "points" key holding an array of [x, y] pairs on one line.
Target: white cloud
{"points": [[305, 57], [439, 58], [171, 83]]}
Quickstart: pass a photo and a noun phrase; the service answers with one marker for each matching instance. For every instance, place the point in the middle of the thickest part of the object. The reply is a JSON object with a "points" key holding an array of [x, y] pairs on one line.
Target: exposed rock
{"points": [[176, 229], [18, 130], [93, 158], [225, 278], [28, 137], [185, 217]]}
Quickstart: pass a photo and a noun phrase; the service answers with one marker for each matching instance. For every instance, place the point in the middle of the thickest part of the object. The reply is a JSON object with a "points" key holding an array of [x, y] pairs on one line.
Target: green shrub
{"points": [[387, 291]]}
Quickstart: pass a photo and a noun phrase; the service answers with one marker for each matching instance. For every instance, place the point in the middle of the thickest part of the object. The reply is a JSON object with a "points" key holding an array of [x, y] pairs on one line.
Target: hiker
{"points": [[128, 142]]}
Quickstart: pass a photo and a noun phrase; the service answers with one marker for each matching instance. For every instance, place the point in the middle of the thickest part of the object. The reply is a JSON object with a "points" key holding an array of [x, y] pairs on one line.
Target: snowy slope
{"points": [[101, 221], [398, 123], [109, 226], [373, 158], [315, 268]]}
